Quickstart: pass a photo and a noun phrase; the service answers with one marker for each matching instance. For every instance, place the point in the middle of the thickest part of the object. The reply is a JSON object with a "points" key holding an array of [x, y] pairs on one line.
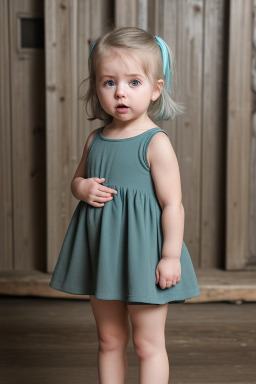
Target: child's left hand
{"points": [[168, 272]]}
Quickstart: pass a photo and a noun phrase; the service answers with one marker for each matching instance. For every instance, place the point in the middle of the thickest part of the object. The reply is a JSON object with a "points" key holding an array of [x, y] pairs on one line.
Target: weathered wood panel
{"points": [[196, 30], [239, 134], [213, 131], [189, 125], [70, 28], [28, 140], [126, 13], [6, 239], [252, 237]]}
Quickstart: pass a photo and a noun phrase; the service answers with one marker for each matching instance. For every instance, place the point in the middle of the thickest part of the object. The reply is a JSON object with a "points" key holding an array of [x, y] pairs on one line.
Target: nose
{"points": [[120, 92]]}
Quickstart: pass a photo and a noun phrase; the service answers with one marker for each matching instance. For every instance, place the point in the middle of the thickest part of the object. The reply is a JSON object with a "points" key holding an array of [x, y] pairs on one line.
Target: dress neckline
{"points": [[125, 139]]}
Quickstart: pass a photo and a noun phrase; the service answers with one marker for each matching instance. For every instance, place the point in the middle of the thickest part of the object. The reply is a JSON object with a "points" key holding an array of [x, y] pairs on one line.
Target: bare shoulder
{"points": [[90, 137], [164, 170], [160, 147], [81, 169]]}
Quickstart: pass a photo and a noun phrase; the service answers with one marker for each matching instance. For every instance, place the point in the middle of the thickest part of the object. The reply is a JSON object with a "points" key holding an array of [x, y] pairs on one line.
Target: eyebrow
{"points": [[127, 74]]}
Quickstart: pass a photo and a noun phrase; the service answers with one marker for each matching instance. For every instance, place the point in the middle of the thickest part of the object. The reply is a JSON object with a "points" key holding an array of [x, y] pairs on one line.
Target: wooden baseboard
{"points": [[215, 285]]}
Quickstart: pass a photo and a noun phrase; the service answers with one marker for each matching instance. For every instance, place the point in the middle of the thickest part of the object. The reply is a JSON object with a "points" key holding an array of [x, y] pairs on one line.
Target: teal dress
{"points": [[112, 251]]}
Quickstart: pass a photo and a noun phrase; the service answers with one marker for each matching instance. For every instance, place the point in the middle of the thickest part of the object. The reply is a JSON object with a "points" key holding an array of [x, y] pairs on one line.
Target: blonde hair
{"points": [[164, 108]]}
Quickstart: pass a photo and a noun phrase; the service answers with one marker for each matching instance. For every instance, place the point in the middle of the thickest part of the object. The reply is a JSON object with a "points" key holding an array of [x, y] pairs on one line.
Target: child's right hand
{"points": [[92, 192]]}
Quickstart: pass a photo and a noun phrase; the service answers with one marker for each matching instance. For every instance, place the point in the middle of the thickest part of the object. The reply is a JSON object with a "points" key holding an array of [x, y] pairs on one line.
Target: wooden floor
{"points": [[55, 341]]}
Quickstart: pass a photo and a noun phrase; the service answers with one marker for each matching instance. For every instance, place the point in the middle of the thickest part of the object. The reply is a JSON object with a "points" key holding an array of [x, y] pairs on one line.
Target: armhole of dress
{"points": [[146, 144], [92, 144]]}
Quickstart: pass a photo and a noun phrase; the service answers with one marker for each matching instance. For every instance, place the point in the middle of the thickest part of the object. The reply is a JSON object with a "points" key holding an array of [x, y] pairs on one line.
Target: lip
{"points": [[122, 108]]}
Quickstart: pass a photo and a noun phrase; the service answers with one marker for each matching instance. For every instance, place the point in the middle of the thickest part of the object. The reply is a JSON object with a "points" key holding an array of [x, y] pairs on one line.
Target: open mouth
{"points": [[122, 106]]}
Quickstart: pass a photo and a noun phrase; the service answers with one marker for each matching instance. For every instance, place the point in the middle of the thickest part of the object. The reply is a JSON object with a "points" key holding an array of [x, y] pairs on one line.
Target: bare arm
{"points": [[166, 177], [89, 189]]}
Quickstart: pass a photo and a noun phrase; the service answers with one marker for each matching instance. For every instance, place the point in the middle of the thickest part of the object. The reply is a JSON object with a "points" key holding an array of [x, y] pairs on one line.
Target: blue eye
{"points": [[109, 83], [134, 83]]}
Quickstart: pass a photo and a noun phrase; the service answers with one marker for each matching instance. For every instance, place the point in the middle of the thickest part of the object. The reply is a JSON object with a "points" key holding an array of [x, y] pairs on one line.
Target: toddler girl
{"points": [[124, 245]]}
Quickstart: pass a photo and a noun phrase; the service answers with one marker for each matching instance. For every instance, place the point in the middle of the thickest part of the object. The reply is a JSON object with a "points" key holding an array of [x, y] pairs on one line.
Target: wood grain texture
{"points": [[126, 13], [56, 341], [252, 229], [239, 135], [6, 234], [189, 126], [213, 132], [27, 82]]}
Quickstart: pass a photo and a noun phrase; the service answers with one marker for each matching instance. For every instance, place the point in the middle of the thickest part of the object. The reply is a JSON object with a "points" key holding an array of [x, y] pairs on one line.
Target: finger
{"points": [[99, 180], [97, 205], [100, 199], [99, 193], [162, 282], [157, 276], [107, 189]]}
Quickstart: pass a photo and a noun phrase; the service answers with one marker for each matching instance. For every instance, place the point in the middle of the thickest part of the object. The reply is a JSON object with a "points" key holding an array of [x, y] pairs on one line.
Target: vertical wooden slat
{"points": [[239, 134], [252, 237], [143, 14], [83, 48], [126, 13], [28, 141], [6, 236], [59, 139], [213, 133], [189, 125], [163, 23]]}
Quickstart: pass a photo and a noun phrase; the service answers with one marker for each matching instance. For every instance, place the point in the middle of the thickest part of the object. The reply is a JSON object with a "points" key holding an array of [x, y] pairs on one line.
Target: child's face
{"points": [[121, 81]]}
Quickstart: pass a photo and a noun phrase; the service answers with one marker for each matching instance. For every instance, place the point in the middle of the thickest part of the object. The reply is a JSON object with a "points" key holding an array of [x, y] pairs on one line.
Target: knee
{"points": [[146, 347], [113, 341]]}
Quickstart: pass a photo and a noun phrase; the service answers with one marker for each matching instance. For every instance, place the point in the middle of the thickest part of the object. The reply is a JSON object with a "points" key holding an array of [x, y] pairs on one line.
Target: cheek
{"points": [[101, 95]]}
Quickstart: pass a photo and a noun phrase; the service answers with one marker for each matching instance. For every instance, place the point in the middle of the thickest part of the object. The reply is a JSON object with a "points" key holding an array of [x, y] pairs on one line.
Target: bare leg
{"points": [[113, 334], [148, 322]]}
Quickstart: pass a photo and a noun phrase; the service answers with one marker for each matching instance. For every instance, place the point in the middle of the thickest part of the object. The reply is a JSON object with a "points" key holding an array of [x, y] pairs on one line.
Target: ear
{"points": [[158, 87]]}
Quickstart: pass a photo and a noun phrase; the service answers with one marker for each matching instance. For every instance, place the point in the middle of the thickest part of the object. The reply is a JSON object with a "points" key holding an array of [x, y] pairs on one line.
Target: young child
{"points": [[124, 245]]}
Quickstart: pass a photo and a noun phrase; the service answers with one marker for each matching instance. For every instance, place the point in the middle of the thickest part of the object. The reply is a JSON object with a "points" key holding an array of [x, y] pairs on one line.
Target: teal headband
{"points": [[93, 46], [166, 63]]}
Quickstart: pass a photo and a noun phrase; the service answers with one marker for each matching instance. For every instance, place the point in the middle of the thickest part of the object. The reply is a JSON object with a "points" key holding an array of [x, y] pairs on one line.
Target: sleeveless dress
{"points": [[112, 251]]}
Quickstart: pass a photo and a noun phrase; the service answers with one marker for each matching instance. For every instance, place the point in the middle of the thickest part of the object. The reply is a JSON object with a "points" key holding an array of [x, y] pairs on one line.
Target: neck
{"points": [[142, 122]]}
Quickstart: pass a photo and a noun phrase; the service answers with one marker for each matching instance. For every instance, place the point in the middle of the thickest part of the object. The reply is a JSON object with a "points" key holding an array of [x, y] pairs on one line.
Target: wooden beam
{"points": [[214, 284], [239, 134]]}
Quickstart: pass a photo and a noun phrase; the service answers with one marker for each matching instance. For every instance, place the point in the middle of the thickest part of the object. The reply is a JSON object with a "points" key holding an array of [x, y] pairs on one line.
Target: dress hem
{"points": [[192, 294]]}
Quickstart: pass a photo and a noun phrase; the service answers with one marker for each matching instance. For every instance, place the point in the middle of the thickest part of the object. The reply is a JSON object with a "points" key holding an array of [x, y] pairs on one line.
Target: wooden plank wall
{"points": [[70, 26], [239, 135], [196, 31], [23, 141]]}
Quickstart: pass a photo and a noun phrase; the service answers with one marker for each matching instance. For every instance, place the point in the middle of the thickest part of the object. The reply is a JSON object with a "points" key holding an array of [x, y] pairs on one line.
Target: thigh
{"points": [[111, 318], [148, 321]]}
